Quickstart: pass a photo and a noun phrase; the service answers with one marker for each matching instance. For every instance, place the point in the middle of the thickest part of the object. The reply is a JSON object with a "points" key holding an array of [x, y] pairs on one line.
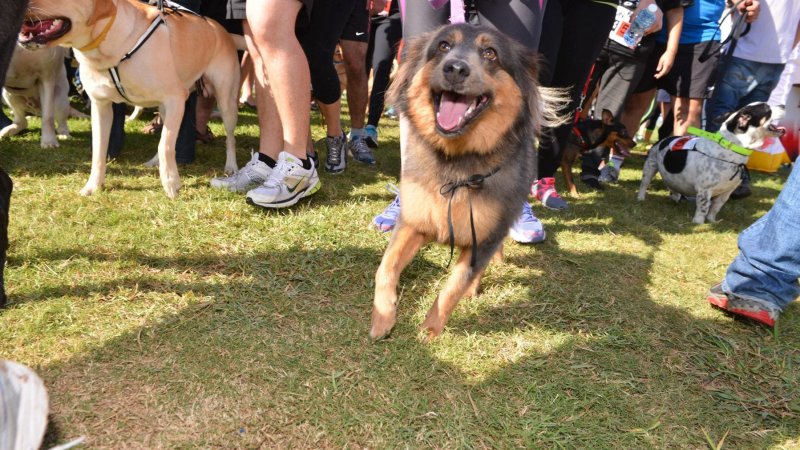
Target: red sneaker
{"points": [[545, 191], [751, 309]]}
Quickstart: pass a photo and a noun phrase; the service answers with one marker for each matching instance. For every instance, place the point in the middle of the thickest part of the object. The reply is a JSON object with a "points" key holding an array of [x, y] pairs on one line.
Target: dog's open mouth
{"points": [[622, 149], [777, 131], [455, 111], [41, 31]]}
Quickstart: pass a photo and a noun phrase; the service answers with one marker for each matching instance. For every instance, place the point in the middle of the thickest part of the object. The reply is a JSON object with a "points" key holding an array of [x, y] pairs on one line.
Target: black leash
{"points": [[473, 182], [738, 29]]}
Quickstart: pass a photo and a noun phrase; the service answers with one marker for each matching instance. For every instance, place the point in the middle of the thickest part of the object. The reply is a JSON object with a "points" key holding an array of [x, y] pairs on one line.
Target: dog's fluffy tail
{"points": [[554, 103]]}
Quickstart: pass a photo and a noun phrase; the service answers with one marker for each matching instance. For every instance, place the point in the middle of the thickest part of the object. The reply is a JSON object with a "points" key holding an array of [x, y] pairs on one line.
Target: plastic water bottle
{"points": [[644, 20]]}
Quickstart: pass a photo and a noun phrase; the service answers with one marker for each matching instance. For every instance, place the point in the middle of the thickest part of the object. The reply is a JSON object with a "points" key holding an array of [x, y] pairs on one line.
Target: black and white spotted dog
{"points": [[708, 165]]}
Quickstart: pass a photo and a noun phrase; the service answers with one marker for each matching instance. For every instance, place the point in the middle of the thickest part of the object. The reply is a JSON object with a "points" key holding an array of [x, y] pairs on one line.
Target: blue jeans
{"points": [[742, 82], [768, 265]]}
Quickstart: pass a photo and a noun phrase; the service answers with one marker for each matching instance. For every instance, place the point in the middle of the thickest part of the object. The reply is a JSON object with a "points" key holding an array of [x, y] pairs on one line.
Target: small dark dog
{"points": [[11, 15], [470, 109], [593, 135], [708, 165]]}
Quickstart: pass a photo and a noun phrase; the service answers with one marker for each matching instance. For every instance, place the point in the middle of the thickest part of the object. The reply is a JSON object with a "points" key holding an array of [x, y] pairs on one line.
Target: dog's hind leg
{"points": [[47, 87], [227, 100], [61, 103], [461, 279], [102, 115], [405, 243], [20, 123], [703, 201], [171, 112], [648, 171], [716, 205]]}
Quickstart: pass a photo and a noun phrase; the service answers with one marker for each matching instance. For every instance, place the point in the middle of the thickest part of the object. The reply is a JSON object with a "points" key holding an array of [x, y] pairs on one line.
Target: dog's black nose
{"points": [[456, 71]]}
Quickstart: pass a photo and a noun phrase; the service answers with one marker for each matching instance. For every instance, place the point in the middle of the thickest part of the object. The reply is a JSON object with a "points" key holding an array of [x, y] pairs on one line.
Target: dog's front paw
{"points": [[382, 324], [231, 169], [49, 143], [89, 189], [640, 197], [428, 334], [699, 220], [171, 187]]}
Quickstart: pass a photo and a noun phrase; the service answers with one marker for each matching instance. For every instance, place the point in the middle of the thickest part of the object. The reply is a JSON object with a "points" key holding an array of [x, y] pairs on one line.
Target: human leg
{"points": [[271, 29], [765, 273], [293, 177], [386, 35]]}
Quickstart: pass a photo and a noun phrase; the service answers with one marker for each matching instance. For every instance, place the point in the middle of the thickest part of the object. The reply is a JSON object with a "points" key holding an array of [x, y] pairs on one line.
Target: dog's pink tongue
{"points": [[37, 27], [452, 109]]}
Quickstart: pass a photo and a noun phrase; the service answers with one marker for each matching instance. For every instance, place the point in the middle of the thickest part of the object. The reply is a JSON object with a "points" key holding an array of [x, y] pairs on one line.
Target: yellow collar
{"points": [[100, 38]]}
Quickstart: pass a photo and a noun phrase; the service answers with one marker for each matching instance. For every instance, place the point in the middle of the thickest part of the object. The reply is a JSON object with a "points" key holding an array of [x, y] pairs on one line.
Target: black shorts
{"points": [[357, 26], [690, 77], [622, 73]]}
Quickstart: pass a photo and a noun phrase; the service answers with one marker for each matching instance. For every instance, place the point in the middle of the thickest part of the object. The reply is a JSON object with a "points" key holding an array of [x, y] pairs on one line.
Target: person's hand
{"points": [[665, 64], [376, 6], [749, 9]]}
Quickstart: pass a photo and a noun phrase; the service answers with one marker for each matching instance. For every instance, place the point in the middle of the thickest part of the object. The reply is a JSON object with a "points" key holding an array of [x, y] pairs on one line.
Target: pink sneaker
{"points": [[545, 191]]}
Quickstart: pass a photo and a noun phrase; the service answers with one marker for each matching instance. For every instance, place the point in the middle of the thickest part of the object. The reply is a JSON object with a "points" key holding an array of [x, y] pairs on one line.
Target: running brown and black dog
{"points": [[590, 134], [470, 110]]}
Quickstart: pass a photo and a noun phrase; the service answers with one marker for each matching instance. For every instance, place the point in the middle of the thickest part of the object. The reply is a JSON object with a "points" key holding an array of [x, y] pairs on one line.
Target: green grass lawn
{"points": [[206, 322]]}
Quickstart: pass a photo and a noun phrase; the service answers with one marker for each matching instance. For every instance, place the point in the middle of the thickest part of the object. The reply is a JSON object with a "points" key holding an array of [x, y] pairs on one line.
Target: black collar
{"points": [[473, 182]]}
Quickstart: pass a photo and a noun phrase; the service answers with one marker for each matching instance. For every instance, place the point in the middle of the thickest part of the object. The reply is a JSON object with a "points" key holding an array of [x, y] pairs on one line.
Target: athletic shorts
{"points": [[236, 8], [689, 77], [357, 26], [622, 74]]}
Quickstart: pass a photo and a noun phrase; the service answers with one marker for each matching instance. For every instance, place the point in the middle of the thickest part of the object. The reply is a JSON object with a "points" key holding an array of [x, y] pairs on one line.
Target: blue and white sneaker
{"points": [[360, 151], [386, 220], [371, 136], [527, 229]]}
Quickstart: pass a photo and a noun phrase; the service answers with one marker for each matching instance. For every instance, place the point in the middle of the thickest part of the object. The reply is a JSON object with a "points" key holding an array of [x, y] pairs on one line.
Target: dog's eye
{"points": [[489, 54], [444, 46]]}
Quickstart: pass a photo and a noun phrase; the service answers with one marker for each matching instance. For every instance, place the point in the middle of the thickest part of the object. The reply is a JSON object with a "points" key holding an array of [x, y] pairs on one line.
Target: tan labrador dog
{"points": [[131, 52], [37, 82]]}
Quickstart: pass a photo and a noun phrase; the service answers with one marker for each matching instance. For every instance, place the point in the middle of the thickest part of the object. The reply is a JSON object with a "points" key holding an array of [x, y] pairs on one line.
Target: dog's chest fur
{"points": [[708, 166], [495, 204]]}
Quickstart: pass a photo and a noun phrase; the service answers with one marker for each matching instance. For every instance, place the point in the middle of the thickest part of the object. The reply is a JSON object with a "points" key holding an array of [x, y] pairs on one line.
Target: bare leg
{"points": [[687, 114], [271, 29], [355, 57]]}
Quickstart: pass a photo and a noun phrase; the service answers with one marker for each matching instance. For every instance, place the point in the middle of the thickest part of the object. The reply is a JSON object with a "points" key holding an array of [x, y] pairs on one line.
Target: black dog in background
{"points": [[11, 14]]}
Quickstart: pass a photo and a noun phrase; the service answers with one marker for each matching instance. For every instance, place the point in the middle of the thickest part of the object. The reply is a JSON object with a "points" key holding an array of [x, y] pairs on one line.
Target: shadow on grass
{"points": [[274, 352]]}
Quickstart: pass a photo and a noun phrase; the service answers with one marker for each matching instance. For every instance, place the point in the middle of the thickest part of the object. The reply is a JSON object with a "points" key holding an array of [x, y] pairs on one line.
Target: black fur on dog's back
{"points": [[11, 14]]}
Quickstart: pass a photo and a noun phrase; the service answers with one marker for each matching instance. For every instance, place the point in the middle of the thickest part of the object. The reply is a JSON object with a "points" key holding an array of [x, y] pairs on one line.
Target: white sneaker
{"points": [[288, 183], [253, 173]]}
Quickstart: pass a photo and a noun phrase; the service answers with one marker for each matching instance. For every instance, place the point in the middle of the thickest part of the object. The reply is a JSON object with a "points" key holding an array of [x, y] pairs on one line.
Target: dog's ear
{"points": [[607, 117], [720, 119], [412, 58], [102, 9]]}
